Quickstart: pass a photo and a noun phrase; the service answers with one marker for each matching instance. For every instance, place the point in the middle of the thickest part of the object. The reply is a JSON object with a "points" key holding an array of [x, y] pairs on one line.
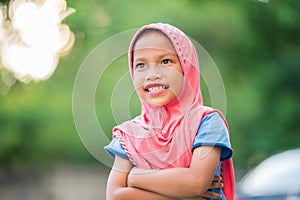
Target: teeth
{"points": [[156, 88]]}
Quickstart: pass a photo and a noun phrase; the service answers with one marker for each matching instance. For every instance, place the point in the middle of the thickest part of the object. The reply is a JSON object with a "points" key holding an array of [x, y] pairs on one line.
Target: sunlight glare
{"points": [[29, 61], [1, 23], [37, 38], [1, 16]]}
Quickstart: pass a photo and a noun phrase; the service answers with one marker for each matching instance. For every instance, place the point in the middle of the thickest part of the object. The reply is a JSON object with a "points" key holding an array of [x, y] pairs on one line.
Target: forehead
{"points": [[153, 40]]}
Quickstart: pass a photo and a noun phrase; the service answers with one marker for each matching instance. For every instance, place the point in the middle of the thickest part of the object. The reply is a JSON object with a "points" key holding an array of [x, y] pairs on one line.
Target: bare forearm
{"points": [[175, 182], [130, 193], [180, 182], [117, 188]]}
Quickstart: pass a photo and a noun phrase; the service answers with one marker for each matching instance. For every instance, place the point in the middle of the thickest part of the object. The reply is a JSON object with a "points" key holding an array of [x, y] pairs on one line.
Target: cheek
{"points": [[177, 77], [137, 83], [177, 82]]}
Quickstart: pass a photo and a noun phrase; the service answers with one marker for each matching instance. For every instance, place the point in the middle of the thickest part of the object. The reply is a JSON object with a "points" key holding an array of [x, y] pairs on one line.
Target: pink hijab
{"points": [[162, 136]]}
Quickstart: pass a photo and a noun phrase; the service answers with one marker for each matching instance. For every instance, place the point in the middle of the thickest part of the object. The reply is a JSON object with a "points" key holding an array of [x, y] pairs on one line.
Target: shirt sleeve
{"points": [[213, 132], [115, 148]]}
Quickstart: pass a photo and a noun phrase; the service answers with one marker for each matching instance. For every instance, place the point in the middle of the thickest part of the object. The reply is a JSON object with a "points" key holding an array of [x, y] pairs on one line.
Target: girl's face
{"points": [[157, 72]]}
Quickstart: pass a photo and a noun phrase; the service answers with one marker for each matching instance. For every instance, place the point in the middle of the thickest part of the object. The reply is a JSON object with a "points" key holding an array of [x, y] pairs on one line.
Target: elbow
{"points": [[195, 186], [197, 190], [122, 193], [116, 194], [111, 196], [114, 197]]}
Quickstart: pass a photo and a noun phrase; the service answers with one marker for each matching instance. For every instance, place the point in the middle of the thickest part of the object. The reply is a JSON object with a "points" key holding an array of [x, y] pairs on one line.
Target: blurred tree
{"points": [[255, 46], [4, 1]]}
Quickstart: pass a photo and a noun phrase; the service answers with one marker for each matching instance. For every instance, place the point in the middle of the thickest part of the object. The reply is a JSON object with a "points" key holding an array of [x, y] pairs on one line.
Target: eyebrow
{"points": [[160, 56]]}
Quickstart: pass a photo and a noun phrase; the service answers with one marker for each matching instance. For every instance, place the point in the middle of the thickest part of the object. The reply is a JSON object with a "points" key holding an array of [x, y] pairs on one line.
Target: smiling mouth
{"points": [[157, 88]]}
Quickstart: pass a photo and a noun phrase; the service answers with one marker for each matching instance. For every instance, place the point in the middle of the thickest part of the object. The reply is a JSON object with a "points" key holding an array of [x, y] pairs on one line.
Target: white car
{"points": [[277, 177]]}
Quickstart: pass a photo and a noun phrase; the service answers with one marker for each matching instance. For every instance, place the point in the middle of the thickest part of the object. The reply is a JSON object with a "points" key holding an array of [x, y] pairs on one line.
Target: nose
{"points": [[153, 73]]}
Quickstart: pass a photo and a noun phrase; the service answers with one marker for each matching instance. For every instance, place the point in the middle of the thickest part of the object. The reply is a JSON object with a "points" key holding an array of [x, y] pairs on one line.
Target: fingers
{"points": [[217, 178], [193, 198], [215, 185], [211, 195]]}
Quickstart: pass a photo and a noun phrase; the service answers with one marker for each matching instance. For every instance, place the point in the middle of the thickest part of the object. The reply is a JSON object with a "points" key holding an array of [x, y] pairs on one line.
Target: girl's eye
{"points": [[140, 66], [166, 61]]}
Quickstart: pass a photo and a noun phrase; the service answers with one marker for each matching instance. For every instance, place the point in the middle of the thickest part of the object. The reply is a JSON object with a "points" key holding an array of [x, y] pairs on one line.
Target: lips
{"points": [[155, 87]]}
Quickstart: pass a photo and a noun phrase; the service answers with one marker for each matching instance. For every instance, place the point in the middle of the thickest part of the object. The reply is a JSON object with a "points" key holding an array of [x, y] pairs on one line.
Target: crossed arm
{"points": [[125, 182]]}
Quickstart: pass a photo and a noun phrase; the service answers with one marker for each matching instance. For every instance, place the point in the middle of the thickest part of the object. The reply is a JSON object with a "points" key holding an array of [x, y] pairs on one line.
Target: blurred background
{"points": [[255, 45]]}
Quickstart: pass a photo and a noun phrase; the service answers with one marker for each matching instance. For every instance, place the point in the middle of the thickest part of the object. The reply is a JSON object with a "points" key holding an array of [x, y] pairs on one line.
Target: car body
{"points": [[276, 178]]}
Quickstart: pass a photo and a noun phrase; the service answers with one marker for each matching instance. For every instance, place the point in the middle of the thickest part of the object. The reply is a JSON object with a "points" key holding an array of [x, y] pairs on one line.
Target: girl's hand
{"points": [[216, 183]]}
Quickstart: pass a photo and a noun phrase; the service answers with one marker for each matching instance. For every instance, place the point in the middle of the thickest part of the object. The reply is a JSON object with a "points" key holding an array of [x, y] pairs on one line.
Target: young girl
{"points": [[174, 149]]}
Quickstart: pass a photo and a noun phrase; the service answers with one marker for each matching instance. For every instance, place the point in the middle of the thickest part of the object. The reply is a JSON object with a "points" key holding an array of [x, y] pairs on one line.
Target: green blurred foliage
{"points": [[255, 46]]}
